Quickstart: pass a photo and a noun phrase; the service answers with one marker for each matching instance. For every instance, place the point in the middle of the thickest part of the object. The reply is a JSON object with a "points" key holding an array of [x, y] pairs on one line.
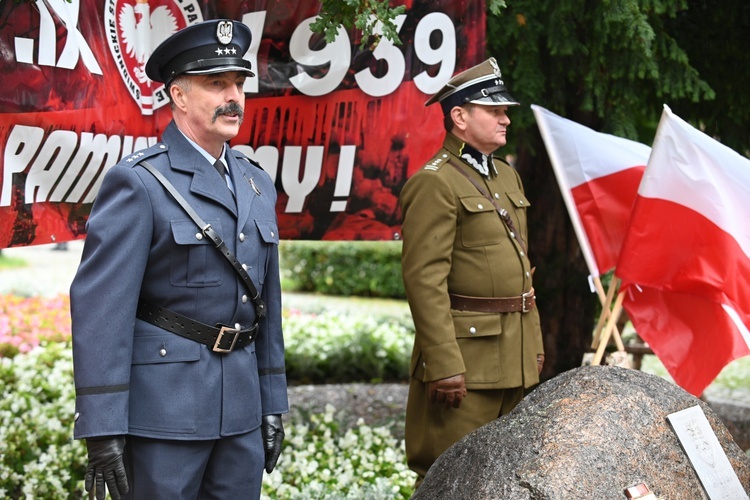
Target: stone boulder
{"points": [[590, 432]]}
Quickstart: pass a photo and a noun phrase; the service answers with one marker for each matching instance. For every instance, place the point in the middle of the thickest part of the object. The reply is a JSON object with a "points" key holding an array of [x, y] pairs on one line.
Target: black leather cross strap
{"points": [[220, 338], [209, 232]]}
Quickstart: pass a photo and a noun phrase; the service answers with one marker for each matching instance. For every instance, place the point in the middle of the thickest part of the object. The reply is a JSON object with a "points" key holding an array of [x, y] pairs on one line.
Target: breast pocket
{"points": [[520, 204], [479, 222], [193, 262], [478, 337]]}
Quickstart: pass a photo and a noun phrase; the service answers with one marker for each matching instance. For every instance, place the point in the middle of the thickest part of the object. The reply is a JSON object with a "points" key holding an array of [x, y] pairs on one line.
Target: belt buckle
{"points": [[528, 295], [222, 331]]}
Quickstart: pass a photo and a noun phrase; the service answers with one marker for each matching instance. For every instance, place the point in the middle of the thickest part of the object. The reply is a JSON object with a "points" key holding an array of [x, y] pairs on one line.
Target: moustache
{"points": [[232, 108]]}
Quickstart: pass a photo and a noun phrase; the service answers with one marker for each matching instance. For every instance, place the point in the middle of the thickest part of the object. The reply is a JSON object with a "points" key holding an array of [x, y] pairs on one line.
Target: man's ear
{"points": [[458, 115], [178, 96]]}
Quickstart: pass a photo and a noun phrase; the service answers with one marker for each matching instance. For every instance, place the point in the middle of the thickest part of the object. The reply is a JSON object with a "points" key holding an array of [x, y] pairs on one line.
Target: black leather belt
{"points": [[220, 338]]}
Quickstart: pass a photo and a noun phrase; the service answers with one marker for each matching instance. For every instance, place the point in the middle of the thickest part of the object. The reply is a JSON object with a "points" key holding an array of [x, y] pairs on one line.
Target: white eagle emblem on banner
{"points": [[143, 31]]}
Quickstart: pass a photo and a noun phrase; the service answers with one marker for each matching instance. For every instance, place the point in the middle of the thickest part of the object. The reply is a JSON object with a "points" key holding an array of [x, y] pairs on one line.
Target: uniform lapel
{"points": [[243, 189], [207, 183]]}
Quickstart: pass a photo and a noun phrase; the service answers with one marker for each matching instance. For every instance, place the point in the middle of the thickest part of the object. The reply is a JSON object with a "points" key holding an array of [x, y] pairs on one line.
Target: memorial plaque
{"points": [[706, 454]]}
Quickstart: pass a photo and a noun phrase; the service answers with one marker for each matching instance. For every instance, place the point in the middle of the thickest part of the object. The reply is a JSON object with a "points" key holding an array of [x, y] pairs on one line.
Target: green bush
{"points": [[331, 347], [362, 268]]}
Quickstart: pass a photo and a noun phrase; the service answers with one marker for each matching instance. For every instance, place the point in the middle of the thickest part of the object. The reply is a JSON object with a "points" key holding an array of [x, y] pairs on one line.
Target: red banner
{"points": [[338, 127]]}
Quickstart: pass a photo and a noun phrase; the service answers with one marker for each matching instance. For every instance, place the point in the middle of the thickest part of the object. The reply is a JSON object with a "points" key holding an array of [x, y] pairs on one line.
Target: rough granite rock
{"points": [[587, 433]]}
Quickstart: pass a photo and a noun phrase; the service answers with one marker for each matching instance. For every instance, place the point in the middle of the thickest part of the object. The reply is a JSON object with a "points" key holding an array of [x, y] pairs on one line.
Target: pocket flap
{"points": [[269, 231], [164, 349], [186, 232], [469, 325], [477, 204], [518, 199]]}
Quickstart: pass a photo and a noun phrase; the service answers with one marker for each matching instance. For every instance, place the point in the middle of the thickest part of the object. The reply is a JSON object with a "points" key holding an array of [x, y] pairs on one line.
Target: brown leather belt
{"points": [[221, 338], [523, 303]]}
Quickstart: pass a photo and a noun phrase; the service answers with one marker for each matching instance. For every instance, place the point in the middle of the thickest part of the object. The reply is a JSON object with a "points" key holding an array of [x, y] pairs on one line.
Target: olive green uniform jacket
{"points": [[455, 241]]}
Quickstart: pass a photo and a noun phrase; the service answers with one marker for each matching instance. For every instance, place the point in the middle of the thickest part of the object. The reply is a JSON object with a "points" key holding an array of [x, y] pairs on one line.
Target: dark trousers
{"points": [[230, 467]]}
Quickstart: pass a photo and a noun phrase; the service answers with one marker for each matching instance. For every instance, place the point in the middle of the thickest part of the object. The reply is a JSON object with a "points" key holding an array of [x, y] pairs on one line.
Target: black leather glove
{"points": [[273, 436], [106, 467]]}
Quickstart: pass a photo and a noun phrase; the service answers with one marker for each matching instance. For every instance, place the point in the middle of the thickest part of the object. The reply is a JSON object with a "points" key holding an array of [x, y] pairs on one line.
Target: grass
{"points": [[736, 375], [7, 262]]}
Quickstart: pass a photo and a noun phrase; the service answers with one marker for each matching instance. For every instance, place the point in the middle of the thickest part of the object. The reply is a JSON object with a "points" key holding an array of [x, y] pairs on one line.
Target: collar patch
{"points": [[477, 160]]}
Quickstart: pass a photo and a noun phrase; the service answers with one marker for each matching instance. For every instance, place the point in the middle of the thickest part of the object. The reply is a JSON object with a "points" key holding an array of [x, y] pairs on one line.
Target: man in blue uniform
{"points": [[179, 367]]}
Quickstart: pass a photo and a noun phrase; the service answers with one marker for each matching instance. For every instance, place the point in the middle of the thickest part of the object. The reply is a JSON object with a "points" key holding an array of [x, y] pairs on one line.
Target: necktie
{"points": [[219, 166]]}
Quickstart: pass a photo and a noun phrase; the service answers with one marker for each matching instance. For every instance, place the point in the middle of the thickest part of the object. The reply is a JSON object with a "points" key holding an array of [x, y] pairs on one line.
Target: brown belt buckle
{"points": [[530, 296], [226, 329]]}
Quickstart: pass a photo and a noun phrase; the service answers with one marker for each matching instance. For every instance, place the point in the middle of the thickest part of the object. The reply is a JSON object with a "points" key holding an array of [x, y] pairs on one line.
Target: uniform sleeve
{"points": [[103, 299], [270, 343], [429, 228]]}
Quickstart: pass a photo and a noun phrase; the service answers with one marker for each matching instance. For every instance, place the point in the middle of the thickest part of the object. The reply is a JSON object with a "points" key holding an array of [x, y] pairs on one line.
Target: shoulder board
{"points": [[437, 161], [242, 156], [137, 157]]}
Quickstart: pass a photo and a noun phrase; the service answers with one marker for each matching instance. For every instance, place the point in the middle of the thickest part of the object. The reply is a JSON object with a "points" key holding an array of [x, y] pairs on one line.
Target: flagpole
{"points": [[616, 310], [565, 189], [606, 301], [575, 219]]}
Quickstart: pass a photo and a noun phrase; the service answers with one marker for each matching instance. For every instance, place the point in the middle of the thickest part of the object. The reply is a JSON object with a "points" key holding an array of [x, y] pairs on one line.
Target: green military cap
{"points": [[481, 84]]}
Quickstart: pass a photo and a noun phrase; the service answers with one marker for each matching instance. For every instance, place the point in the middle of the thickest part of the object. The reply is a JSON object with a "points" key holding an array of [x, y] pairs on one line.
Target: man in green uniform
{"points": [[467, 274]]}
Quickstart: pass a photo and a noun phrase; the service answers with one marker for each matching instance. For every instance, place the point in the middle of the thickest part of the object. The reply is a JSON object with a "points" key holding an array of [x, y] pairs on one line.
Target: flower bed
{"points": [[320, 458]]}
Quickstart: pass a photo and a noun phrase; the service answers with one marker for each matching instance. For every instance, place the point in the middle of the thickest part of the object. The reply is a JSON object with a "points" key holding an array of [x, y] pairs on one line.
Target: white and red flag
{"points": [[685, 262], [598, 176]]}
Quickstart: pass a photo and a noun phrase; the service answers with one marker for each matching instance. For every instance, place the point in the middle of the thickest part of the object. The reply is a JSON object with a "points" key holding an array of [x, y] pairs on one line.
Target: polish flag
{"points": [[685, 262], [598, 176]]}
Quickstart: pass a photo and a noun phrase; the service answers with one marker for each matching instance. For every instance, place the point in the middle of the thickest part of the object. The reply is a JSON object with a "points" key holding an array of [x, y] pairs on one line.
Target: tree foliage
{"points": [[364, 15]]}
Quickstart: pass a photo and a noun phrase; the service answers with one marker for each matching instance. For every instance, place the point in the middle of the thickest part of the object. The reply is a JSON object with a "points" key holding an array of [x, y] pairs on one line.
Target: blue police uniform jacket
{"points": [[135, 378]]}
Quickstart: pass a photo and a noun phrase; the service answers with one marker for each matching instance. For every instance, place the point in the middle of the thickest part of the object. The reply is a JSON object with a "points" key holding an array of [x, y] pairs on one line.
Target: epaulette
{"points": [[137, 157], [242, 156], [437, 161]]}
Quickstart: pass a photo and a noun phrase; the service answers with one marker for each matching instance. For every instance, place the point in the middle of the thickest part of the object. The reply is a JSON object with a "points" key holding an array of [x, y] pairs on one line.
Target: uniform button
{"points": [[236, 326], [497, 196], [480, 206], [75, 417], [272, 234], [472, 330], [512, 234], [445, 155], [198, 236], [522, 254], [242, 236], [244, 299], [244, 266], [162, 146], [528, 274], [520, 202], [424, 365], [162, 352]]}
